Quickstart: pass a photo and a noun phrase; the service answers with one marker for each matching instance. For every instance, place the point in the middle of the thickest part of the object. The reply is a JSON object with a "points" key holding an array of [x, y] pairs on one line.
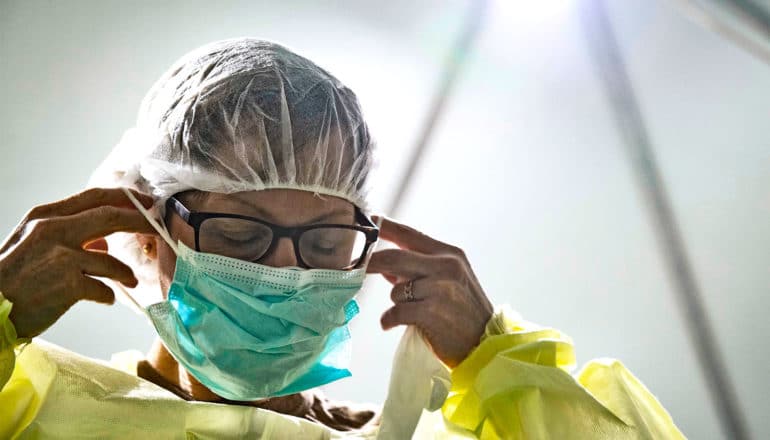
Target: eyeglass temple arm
{"points": [[179, 208]]}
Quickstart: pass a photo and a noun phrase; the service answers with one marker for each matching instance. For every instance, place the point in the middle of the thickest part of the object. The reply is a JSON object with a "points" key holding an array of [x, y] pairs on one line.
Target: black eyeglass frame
{"points": [[196, 218]]}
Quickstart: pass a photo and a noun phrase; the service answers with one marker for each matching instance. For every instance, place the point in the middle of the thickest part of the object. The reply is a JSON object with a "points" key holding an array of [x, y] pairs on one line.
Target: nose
{"points": [[282, 255]]}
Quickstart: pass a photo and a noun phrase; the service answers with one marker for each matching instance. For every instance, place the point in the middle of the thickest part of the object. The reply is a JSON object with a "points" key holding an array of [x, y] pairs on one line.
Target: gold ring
{"points": [[408, 291]]}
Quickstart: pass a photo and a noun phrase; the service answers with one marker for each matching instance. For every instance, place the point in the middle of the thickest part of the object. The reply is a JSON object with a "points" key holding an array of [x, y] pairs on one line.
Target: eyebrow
{"points": [[267, 215], [334, 213]]}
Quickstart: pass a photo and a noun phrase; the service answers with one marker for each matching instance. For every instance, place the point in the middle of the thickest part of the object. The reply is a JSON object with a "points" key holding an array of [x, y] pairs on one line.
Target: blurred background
{"points": [[525, 167]]}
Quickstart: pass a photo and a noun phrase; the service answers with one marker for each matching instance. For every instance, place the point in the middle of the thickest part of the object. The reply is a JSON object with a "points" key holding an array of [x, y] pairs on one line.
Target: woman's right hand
{"points": [[47, 263]]}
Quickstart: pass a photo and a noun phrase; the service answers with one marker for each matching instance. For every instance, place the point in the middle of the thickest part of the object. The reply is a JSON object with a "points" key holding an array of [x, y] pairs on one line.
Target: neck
{"points": [[169, 374]]}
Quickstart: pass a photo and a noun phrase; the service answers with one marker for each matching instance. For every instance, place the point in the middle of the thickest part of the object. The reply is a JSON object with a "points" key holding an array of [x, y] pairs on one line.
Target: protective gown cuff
{"points": [[517, 384], [9, 341], [511, 350], [505, 320]]}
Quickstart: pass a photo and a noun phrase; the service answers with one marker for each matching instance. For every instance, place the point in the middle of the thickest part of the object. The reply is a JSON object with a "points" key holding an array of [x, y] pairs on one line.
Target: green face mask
{"points": [[248, 331]]}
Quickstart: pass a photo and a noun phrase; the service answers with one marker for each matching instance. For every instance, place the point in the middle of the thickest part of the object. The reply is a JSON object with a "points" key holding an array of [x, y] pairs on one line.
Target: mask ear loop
{"points": [[130, 297], [163, 233], [154, 223]]}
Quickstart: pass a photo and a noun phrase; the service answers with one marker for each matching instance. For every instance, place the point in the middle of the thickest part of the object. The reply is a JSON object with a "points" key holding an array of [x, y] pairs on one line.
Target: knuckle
{"points": [[60, 253], [36, 213], [456, 292], [96, 194], [459, 252], [437, 309], [449, 289], [107, 214], [419, 234], [40, 227], [443, 286], [453, 265], [63, 258], [430, 307]]}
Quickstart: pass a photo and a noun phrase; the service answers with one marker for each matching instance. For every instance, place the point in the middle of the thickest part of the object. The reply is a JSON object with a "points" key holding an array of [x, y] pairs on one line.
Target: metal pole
{"points": [[630, 122], [752, 15], [456, 60]]}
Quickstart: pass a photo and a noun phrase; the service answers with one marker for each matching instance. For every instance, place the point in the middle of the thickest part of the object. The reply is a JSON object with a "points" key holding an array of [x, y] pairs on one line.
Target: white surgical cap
{"points": [[242, 115]]}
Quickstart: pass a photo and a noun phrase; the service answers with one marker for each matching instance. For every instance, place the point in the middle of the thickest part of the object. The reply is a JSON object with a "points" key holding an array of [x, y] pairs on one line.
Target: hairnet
{"points": [[243, 115]]}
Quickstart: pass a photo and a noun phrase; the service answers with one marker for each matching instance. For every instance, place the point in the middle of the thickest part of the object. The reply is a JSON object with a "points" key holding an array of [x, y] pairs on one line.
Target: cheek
{"points": [[179, 230], [166, 266]]}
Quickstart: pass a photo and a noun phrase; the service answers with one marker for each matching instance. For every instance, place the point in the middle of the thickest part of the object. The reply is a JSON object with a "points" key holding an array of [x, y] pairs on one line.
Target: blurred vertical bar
{"points": [[456, 60], [751, 15], [755, 16], [620, 92]]}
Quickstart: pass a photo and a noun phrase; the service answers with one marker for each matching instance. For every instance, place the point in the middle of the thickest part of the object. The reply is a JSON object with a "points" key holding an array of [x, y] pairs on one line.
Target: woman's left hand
{"points": [[434, 289]]}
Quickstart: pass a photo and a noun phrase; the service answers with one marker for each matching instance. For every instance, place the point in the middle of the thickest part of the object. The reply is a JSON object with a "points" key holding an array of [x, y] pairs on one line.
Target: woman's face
{"points": [[285, 207]]}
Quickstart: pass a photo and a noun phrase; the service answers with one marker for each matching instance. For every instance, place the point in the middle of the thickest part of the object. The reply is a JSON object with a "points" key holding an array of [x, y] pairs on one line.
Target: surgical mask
{"points": [[248, 331]]}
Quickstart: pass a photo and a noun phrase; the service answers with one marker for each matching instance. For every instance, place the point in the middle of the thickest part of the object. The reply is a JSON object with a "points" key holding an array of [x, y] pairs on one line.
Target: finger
{"points": [[409, 313], [400, 264], [409, 291], [89, 199], [391, 279], [106, 266], [407, 237], [98, 245], [100, 222], [406, 265], [95, 290]]}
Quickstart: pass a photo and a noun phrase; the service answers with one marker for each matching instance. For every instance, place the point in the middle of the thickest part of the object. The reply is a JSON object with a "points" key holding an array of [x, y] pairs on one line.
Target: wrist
{"points": [[503, 321], [8, 336]]}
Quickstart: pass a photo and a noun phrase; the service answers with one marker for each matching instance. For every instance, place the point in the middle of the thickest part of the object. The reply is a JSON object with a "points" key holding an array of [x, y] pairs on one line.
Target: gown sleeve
{"points": [[19, 400], [517, 384]]}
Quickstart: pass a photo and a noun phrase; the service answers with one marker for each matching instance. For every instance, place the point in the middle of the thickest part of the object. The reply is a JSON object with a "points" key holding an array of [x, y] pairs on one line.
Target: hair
{"points": [[257, 115], [240, 115]]}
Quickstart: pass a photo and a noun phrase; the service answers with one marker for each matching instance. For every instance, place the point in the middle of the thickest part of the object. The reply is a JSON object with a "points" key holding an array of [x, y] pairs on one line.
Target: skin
{"points": [[65, 242], [45, 262], [283, 207]]}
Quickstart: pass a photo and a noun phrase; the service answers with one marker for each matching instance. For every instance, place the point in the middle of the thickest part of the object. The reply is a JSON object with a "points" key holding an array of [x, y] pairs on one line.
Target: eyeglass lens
{"points": [[323, 247]]}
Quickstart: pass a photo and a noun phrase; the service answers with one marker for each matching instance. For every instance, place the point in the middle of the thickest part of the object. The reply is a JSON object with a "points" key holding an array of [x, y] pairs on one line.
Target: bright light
{"points": [[530, 13]]}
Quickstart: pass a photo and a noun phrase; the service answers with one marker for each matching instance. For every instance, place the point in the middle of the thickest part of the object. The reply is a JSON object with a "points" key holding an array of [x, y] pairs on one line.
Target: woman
{"points": [[245, 238]]}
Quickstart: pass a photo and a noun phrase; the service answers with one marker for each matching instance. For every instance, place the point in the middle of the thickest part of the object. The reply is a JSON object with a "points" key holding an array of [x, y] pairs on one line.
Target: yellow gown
{"points": [[516, 385]]}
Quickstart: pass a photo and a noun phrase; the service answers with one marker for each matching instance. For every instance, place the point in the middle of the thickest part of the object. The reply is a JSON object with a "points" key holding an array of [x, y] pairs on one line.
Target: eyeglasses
{"points": [[320, 246]]}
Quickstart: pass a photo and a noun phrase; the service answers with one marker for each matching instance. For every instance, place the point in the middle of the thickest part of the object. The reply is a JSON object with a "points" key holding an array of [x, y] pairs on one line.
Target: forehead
{"points": [[281, 206]]}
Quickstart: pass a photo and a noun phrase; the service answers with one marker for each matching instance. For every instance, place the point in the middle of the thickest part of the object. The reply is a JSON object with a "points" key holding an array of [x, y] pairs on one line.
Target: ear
{"points": [[148, 243]]}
